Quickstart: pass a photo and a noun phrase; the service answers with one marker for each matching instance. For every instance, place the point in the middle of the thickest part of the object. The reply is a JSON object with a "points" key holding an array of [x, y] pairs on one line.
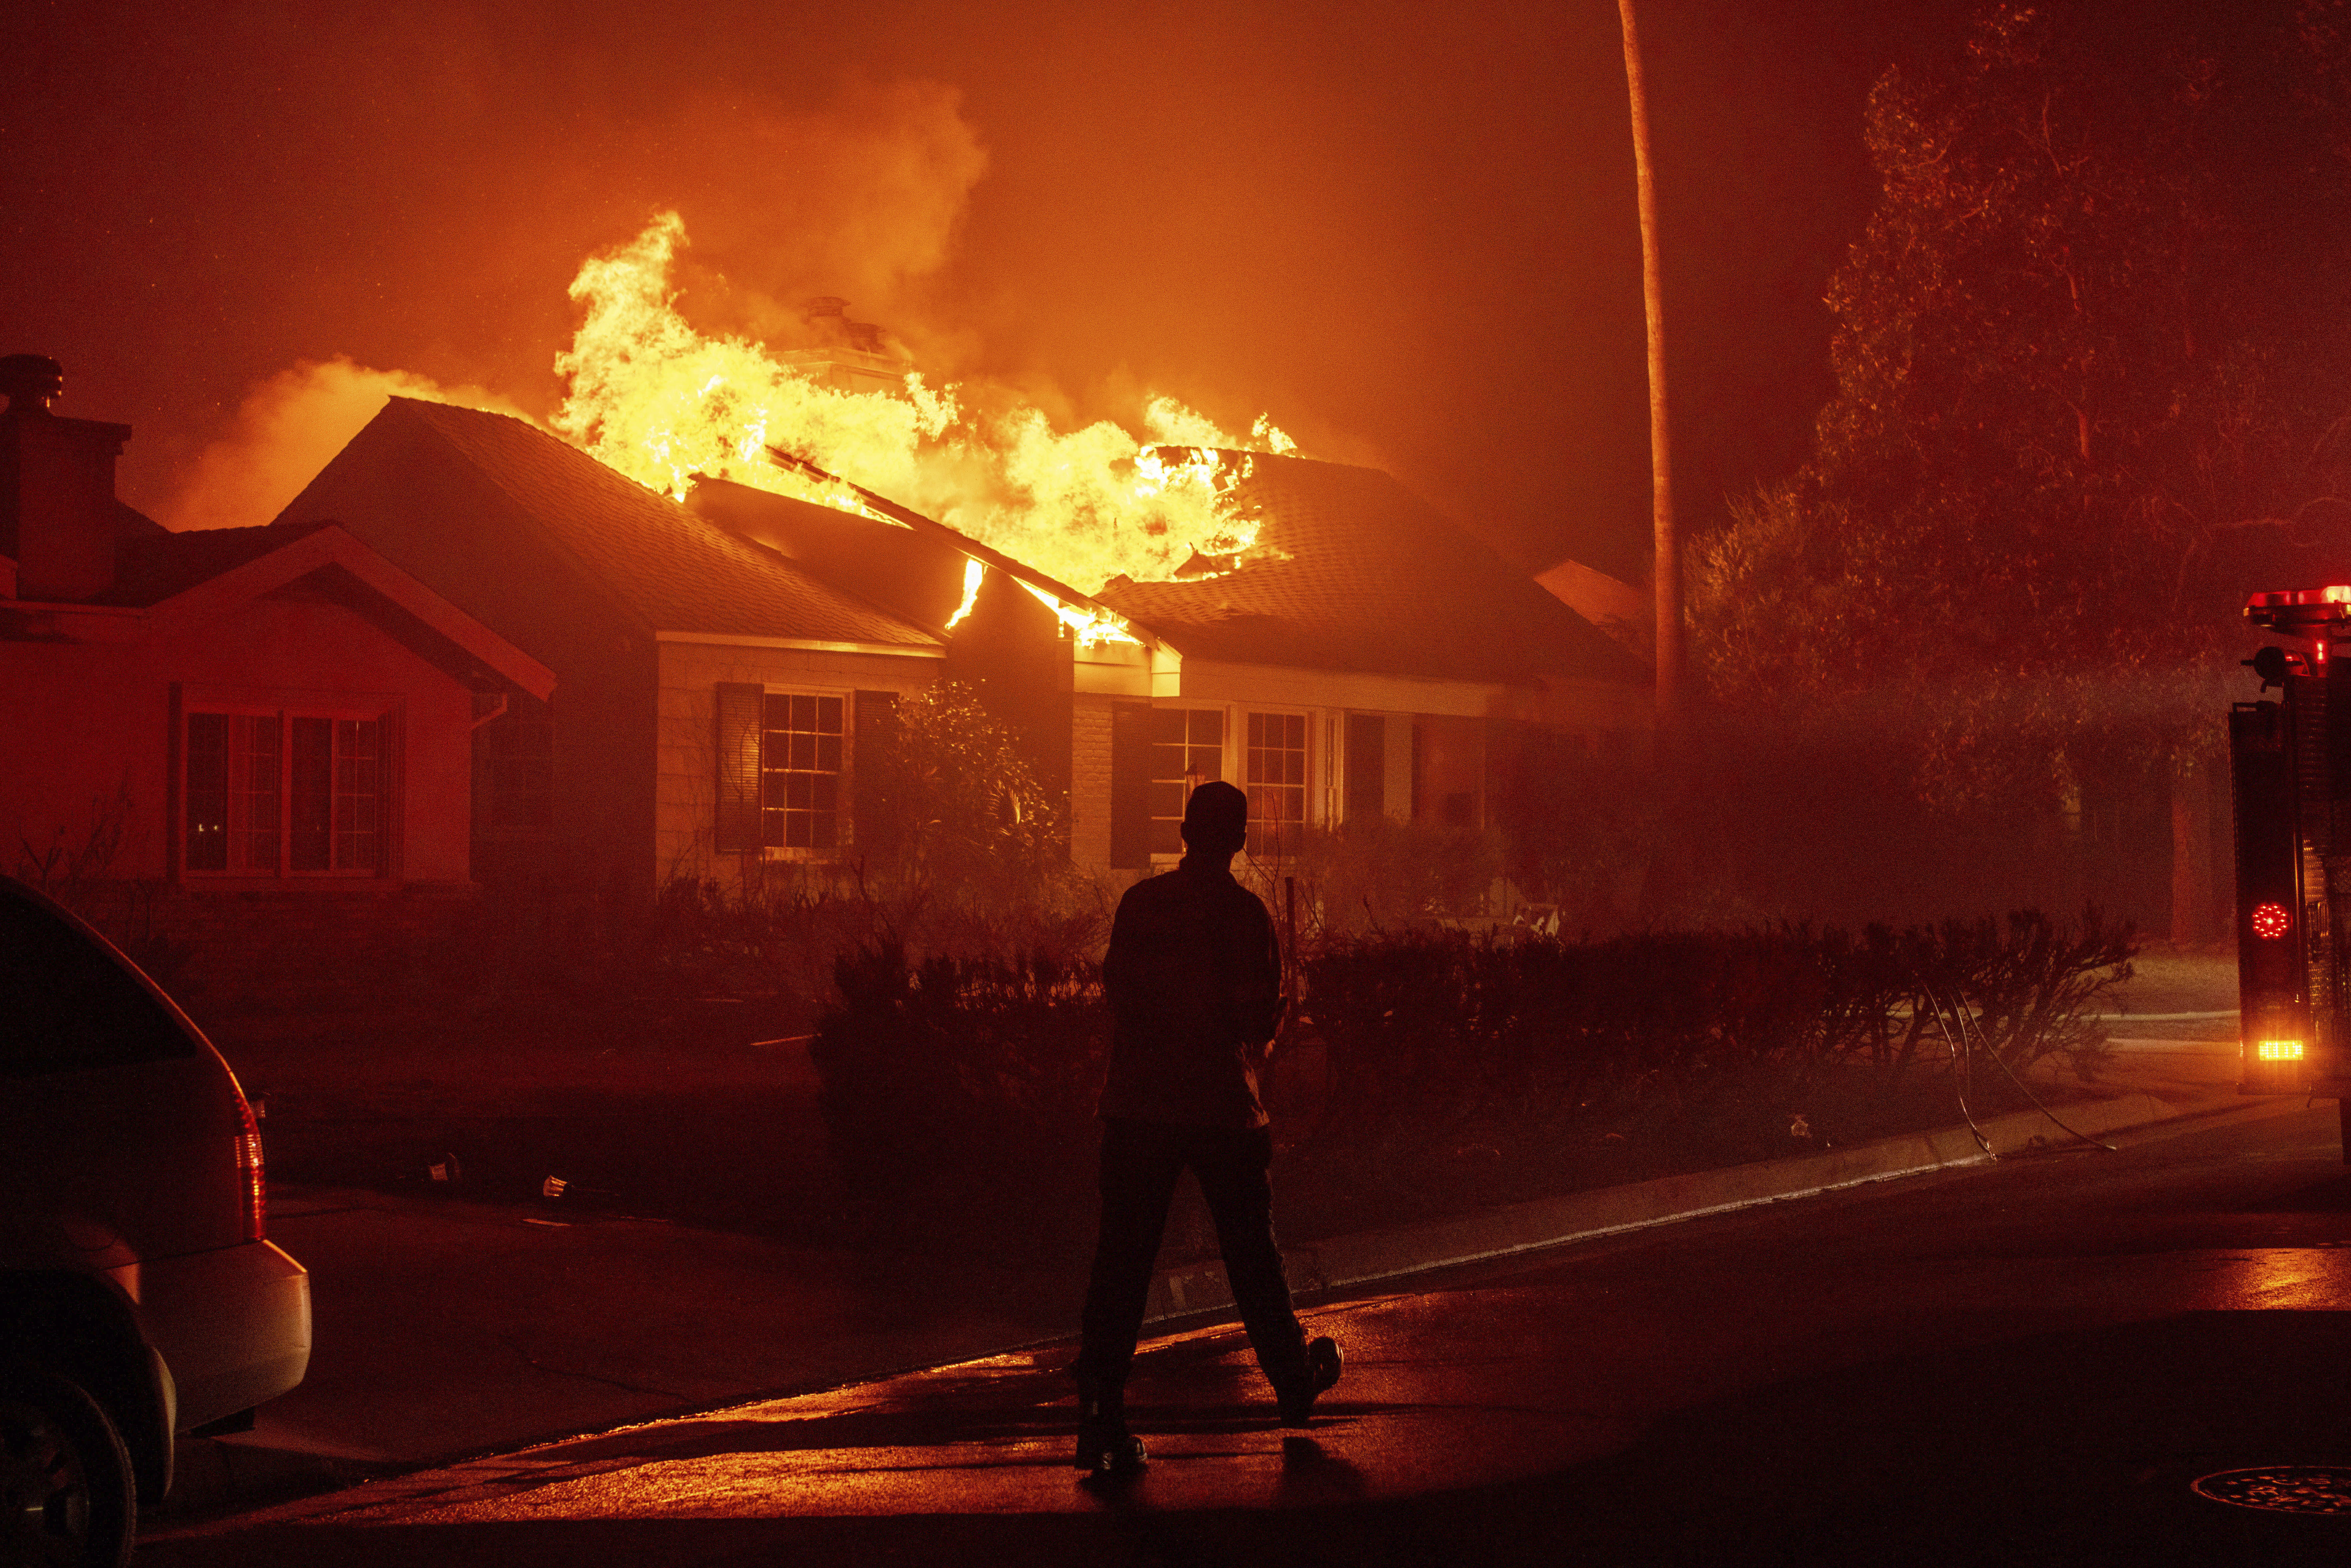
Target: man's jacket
{"points": [[1194, 977]]}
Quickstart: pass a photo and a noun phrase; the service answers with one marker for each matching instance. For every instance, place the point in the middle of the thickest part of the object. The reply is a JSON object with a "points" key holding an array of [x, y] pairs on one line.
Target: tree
{"points": [[2083, 393], [957, 805]]}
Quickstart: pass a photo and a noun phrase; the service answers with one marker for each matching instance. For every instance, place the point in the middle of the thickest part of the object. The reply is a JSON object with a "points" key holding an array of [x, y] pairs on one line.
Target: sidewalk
{"points": [[448, 1329]]}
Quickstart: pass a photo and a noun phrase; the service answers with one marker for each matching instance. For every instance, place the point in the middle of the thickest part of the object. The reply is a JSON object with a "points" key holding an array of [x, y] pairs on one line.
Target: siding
{"points": [[685, 797]]}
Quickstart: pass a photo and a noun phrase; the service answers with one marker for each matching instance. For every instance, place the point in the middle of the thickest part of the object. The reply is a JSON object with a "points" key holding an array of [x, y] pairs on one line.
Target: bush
{"points": [[1374, 874], [957, 1080], [968, 1079]]}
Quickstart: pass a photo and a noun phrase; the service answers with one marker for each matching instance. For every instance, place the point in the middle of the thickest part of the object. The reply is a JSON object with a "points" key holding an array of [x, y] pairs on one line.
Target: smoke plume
{"points": [[287, 430]]}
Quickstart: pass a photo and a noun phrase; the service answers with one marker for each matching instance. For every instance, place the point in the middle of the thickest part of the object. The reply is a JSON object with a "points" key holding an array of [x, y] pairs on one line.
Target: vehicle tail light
{"points": [[249, 1162]]}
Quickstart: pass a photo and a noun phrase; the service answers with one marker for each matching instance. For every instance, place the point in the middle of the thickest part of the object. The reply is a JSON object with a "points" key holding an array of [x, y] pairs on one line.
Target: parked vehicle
{"points": [[140, 1301], [2290, 776]]}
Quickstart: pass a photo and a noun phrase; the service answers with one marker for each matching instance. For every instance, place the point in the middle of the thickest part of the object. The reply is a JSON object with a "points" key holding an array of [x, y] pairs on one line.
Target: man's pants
{"points": [[1140, 1162]]}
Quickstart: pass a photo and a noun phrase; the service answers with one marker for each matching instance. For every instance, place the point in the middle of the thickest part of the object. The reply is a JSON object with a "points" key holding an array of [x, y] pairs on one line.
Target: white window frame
{"points": [[1263, 845], [283, 711], [843, 832]]}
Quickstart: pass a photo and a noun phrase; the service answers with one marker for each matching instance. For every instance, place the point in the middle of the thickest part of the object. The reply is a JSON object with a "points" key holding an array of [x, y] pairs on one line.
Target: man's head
{"points": [[1215, 820]]}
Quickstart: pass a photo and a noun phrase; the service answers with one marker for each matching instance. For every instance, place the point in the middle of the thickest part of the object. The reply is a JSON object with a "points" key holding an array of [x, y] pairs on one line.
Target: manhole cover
{"points": [[2283, 1489]]}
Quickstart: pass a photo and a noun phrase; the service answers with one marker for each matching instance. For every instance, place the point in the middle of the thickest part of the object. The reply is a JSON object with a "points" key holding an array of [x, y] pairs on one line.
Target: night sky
{"points": [[1407, 233]]}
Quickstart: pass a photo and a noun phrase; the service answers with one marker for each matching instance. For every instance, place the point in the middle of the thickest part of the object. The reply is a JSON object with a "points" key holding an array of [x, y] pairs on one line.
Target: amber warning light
{"points": [[2279, 1050], [2270, 922]]}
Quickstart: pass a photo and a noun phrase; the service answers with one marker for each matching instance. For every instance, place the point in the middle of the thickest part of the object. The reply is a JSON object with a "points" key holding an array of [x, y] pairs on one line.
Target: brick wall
{"points": [[1090, 779]]}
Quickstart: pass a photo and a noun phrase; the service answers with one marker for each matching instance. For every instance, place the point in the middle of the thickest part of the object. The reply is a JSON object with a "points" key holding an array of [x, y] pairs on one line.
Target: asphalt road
{"points": [[2031, 1363]]}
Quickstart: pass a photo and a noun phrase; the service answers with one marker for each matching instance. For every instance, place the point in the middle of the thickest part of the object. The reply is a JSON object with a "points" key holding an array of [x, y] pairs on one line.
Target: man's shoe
{"points": [[1106, 1447], [1322, 1371]]}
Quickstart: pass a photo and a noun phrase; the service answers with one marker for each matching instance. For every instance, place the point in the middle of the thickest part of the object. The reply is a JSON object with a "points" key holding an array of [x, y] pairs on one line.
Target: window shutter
{"points": [[870, 829], [1130, 786], [735, 830], [1367, 764], [393, 799]]}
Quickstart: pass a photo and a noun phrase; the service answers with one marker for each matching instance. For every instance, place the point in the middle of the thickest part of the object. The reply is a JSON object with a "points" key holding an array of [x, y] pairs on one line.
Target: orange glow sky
{"points": [[1406, 233]]}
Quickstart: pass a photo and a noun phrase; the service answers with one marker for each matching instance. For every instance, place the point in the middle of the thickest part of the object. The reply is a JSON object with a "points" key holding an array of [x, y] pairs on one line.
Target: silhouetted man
{"points": [[1194, 983]]}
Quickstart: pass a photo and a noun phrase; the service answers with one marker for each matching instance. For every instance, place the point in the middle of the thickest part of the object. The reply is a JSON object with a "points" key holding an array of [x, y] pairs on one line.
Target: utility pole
{"points": [[1668, 572]]}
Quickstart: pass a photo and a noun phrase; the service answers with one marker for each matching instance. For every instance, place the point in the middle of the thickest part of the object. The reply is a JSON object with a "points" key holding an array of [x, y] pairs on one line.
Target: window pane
{"points": [[256, 814], [207, 791], [1167, 725], [359, 794], [801, 758], [311, 795], [1207, 726]]}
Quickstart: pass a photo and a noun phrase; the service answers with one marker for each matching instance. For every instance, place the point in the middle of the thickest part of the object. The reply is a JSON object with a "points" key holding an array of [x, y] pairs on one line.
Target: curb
{"points": [[1369, 1257]]}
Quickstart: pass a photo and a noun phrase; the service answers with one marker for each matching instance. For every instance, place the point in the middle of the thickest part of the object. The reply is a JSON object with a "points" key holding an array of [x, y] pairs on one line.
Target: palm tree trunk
{"points": [[1669, 569]]}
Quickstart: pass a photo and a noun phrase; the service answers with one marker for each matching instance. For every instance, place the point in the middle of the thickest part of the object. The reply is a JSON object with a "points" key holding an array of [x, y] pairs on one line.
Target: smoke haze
{"points": [[1403, 233], [287, 430]]}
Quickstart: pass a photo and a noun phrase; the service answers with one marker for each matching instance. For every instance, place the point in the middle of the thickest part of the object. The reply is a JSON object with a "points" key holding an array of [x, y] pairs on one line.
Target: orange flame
{"points": [[659, 401]]}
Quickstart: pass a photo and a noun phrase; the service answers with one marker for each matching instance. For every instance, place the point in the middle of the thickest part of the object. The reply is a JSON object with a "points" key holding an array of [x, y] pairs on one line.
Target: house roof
{"points": [[167, 583], [153, 563], [674, 570], [1358, 573]]}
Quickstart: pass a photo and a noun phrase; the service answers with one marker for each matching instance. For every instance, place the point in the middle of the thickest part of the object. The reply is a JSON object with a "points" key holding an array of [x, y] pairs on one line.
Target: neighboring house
{"points": [[713, 693], [267, 710], [1617, 607]]}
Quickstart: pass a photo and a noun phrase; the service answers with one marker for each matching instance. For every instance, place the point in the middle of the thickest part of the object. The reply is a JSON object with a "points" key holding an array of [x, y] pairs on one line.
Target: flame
{"points": [[1088, 626], [974, 572], [658, 400]]}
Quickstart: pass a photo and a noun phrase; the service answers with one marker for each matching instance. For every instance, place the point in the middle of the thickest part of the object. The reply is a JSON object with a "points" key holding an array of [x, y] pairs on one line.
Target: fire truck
{"points": [[2290, 776]]}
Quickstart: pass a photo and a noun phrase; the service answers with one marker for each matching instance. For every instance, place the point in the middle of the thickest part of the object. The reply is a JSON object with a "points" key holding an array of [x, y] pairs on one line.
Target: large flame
{"points": [[659, 400]]}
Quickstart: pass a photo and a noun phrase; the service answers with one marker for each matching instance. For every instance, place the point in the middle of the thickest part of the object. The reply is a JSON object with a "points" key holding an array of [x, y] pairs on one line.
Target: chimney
{"points": [[57, 487]]}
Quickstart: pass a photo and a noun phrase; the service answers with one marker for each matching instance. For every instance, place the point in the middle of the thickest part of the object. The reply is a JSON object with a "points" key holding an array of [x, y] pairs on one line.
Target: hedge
{"points": [[960, 1077]]}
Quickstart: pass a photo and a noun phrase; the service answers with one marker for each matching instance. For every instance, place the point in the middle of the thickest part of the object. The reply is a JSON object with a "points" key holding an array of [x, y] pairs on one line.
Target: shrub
{"points": [[959, 1077], [973, 1078]]}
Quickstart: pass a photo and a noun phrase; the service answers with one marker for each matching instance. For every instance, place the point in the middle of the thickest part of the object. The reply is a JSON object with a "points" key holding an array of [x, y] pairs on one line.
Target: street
{"points": [[2031, 1362]]}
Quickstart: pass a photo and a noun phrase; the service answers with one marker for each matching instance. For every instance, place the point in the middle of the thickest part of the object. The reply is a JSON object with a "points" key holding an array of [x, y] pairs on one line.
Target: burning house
{"points": [[726, 662], [713, 691]]}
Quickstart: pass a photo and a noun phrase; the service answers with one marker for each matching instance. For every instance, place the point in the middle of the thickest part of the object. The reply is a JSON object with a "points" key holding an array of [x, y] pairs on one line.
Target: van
{"points": [[141, 1299]]}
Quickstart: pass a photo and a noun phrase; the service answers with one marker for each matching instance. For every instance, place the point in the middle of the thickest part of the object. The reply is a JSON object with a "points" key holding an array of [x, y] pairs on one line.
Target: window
{"points": [[799, 773], [1275, 766], [273, 793], [234, 782], [514, 766], [1188, 749], [1367, 765]]}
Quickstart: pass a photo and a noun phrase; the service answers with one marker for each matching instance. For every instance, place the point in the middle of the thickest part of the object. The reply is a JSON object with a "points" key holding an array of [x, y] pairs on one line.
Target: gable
{"points": [[534, 535]]}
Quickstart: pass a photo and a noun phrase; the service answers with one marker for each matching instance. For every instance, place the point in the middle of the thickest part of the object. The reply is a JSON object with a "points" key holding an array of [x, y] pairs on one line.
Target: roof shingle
{"points": [[1360, 574], [678, 571]]}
